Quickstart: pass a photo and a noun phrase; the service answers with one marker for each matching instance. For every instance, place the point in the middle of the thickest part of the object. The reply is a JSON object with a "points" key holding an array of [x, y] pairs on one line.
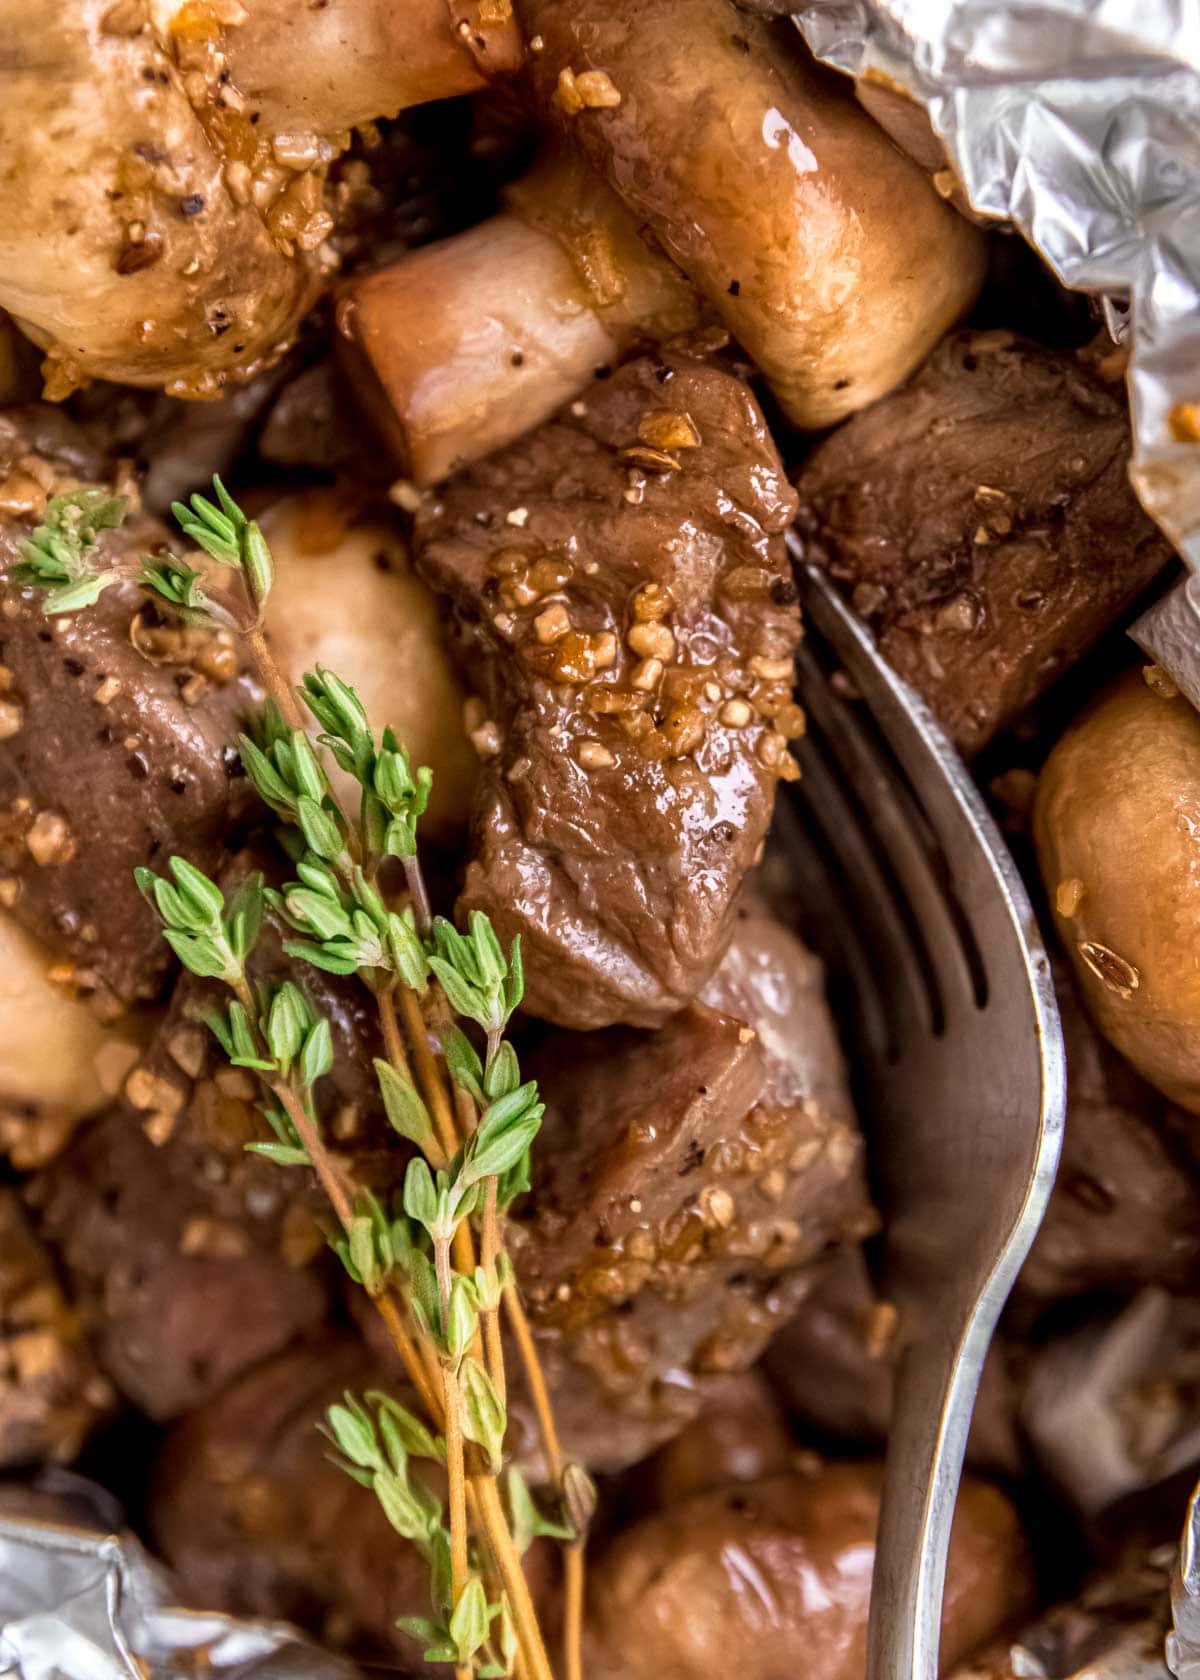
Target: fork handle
{"points": [[935, 1388]]}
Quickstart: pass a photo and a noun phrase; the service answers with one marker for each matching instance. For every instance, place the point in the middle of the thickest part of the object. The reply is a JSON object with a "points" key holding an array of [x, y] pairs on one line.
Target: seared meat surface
{"points": [[255, 1520], [190, 1258], [623, 607], [982, 521], [119, 741], [741, 1436], [185, 1258], [834, 1365], [684, 1182]]}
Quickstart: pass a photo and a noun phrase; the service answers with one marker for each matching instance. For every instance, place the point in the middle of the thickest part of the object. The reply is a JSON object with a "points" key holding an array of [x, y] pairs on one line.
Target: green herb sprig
{"points": [[433, 1261], [65, 556]]}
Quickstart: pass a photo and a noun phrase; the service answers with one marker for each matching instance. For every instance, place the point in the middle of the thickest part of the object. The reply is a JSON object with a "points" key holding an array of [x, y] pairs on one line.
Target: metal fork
{"points": [[930, 940]]}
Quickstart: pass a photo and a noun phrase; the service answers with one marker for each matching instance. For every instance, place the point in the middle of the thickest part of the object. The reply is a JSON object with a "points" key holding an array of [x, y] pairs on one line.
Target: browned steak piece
{"points": [[190, 1258], [256, 1521], [741, 1435], [51, 1393], [117, 750], [186, 1259], [623, 605], [983, 523], [685, 1181]]}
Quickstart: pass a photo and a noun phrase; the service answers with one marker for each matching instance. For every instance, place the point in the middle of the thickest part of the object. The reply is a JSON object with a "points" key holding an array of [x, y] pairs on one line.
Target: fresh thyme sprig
{"points": [[63, 554], [438, 1290]]}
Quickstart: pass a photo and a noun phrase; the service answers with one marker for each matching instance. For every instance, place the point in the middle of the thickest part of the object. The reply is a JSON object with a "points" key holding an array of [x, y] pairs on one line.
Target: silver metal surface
{"points": [[1079, 122], [925, 927], [81, 1600], [1183, 1642], [1169, 632]]}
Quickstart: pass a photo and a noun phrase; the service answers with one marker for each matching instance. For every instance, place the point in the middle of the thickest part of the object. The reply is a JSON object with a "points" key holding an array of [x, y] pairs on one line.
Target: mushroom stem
{"points": [[328, 69], [459, 347]]}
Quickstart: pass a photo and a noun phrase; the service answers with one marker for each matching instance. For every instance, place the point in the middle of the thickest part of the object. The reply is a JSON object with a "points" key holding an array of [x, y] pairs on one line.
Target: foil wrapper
{"points": [[1079, 122], [81, 1600]]}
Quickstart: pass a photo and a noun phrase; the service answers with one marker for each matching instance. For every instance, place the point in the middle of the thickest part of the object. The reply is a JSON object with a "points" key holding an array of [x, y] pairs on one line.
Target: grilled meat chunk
{"points": [[982, 521], [119, 741], [622, 603], [256, 1521], [191, 1258], [685, 1181], [741, 1436], [1125, 1210], [834, 1365]]}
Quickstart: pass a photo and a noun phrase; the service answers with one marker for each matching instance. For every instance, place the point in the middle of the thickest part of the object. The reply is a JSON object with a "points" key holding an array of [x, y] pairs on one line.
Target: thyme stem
{"points": [[274, 681], [574, 1557], [489, 1253], [495, 1526], [536, 1378], [573, 1593], [430, 1079], [414, 877], [328, 1176]]}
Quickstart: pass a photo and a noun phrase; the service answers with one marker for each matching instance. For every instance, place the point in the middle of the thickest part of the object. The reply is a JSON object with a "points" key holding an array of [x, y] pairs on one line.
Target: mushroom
{"points": [[773, 1577], [1116, 820], [162, 225], [328, 68], [737, 165], [826, 251], [345, 596], [57, 1057], [459, 347]]}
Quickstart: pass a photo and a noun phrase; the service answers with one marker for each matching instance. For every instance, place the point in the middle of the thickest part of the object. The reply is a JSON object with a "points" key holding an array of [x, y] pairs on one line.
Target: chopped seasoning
{"points": [[667, 429], [552, 624], [647, 674], [1160, 681], [1068, 896], [652, 460], [592, 755], [651, 641], [596, 90], [50, 840]]}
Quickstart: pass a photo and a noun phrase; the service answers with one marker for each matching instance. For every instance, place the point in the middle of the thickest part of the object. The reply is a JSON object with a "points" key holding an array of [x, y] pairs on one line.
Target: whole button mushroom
{"points": [[826, 251], [1117, 817], [773, 1577], [162, 208]]}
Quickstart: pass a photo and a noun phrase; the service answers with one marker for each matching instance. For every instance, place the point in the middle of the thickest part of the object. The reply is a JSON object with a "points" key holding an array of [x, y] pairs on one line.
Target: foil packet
{"points": [[80, 1599], [1079, 122]]}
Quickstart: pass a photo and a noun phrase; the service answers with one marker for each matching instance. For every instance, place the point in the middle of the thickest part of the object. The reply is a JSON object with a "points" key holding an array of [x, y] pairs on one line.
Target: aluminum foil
{"points": [[1078, 121], [80, 1600]]}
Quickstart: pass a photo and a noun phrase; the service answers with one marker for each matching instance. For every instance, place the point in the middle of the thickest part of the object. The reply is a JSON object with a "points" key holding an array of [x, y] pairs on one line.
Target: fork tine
{"points": [[826, 920], [901, 983], [907, 841]]}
